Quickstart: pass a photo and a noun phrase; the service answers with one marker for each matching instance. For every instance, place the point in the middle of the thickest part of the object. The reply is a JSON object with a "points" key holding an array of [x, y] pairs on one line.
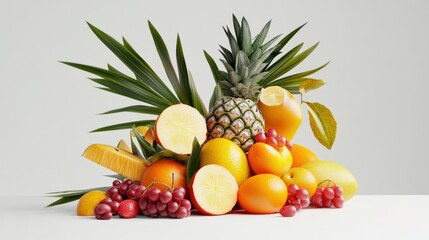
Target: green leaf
{"points": [[275, 70], [289, 65], [141, 69], [126, 125], [145, 146], [116, 176], [123, 83], [217, 94], [197, 102], [283, 43], [137, 109], [183, 73], [310, 84], [246, 38], [301, 75], [128, 46], [213, 67], [261, 36], [64, 200], [70, 195], [237, 27], [194, 161], [226, 54], [168, 154], [322, 123], [166, 62]]}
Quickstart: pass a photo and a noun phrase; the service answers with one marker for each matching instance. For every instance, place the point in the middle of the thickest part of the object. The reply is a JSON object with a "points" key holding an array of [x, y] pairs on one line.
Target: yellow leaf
{"points": [[322, 124]]}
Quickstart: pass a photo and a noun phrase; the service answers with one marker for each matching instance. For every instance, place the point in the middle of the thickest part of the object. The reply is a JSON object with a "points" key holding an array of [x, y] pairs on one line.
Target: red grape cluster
{"points": [[128, 199], [297, 199], [165, 203], [273, 139], [326, 197]]}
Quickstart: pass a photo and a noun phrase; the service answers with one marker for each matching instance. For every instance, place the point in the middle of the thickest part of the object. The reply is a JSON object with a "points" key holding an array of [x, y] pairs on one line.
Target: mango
{"points": [[328, 170]]}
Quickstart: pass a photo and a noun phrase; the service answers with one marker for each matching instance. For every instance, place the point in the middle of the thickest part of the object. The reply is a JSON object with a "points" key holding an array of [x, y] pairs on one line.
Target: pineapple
{"points": [[233, 113]]}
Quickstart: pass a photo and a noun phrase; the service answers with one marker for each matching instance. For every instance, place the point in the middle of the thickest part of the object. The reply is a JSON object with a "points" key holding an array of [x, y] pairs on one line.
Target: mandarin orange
{"points": [[262, 193], [162, 172]]}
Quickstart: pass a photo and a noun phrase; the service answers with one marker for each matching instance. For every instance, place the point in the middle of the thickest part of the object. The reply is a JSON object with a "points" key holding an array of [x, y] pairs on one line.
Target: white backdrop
{"points": [[377, 82]]}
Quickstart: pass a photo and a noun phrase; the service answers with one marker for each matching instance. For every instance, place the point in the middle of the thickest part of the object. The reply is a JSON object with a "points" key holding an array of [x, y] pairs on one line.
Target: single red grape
{"points": [[271, 133], [338, 202], [181, 212], [143, 204], [260, 137], [112, 191], [165, 196], [272, 142], [154, 194], [288, 211], [186, 204], [302, 194], [338, 190], [117, 197], [116, 183], [172, 207], [328, 193], [178, 195], [281, 141], [327, 203], [292, 189], [152, 208], [161, 206]]}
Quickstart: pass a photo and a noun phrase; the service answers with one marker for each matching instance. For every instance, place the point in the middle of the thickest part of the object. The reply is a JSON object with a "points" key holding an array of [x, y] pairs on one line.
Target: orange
{"points": [[263, 193], [302, 155], [161, 172], [263, 158], [302, 177], [87, 203], [281, 111]]}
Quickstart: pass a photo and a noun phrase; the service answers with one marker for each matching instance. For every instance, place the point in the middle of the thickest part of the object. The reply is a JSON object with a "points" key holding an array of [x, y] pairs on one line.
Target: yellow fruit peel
{"points": [[117, 160]]}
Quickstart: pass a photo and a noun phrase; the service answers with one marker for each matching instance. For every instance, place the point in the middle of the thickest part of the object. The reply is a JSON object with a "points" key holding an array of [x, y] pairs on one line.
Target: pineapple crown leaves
{"points": [[146, 86], [250, 65]]}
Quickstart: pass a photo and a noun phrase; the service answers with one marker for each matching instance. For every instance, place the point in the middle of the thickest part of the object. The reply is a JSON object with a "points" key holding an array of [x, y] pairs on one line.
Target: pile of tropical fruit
{"points": [[237, 155]]}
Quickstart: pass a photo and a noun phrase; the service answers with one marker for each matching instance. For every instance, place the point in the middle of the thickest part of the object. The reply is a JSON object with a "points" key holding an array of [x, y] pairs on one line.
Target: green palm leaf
{"points": [[126, 125], [140, 68], [137, 109]]}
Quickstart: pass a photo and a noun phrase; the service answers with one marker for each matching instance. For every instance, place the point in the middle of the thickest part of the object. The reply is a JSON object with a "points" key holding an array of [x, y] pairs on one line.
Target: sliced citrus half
{"points": [[117, 160]]}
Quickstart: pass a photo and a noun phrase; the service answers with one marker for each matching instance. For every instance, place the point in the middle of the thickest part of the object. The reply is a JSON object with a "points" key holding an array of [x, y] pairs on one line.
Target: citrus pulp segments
{"points": [[272, 96], [214, 190], [177, 126], [117, 160]]}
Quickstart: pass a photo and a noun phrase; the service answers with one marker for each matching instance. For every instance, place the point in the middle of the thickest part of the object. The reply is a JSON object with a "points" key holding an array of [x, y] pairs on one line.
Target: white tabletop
{"points": [[363, 217]]}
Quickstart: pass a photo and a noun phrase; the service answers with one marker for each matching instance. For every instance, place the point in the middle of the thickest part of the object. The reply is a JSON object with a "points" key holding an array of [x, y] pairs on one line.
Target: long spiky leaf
{"points": [[183, 72], [137, 109], [127, 125], [141, 69], [166, 62]]}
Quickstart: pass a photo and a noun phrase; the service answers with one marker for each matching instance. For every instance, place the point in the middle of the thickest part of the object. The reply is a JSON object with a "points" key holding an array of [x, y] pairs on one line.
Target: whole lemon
{"points": [[87, 203], [227, 154]]}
